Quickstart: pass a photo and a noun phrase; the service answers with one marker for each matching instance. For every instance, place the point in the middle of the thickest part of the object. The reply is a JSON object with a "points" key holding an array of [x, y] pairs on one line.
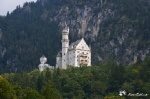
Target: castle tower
{"points": [[43, 60], [65, 46]]}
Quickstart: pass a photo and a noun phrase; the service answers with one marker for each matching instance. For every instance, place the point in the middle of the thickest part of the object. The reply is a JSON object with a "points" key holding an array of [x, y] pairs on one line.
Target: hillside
{"points": [[97, 82], [116, 30]]}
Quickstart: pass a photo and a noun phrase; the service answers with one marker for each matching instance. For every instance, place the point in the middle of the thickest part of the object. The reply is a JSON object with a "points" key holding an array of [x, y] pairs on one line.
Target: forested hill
{"points": [[97, 82], [116, 30]]}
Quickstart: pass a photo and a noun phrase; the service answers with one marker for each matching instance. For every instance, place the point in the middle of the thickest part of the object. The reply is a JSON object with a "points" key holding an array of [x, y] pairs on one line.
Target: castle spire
{"points": [[65, 28], [66, 25]]}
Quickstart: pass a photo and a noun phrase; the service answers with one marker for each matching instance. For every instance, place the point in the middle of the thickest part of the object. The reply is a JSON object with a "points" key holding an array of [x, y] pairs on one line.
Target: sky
{"points": [[10, 5]]}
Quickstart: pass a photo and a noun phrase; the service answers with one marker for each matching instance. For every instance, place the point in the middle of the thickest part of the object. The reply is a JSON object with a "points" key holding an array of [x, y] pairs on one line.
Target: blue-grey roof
{"points": [[74, 44], [59, 54]]}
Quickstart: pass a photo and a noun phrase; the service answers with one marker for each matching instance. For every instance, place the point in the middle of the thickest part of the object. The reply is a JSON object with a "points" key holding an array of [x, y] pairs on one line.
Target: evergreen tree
{"points": [[6, 90], [50, 92]]}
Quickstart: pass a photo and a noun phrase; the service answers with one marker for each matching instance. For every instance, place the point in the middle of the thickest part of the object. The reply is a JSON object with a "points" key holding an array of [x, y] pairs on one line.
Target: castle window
{"points": [[85, 56]]}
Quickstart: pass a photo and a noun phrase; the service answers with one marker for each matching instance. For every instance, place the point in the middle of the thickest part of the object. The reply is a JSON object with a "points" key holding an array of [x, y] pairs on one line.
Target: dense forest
{"points": [[97, 82], [117, 30]]}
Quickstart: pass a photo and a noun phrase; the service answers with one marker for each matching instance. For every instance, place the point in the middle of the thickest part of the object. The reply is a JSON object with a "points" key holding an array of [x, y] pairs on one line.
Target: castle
{"points": [[77, 54]]}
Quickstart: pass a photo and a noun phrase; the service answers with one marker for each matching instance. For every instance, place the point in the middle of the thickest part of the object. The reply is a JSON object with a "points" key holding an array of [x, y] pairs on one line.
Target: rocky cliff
{"points": [[117, 30]]}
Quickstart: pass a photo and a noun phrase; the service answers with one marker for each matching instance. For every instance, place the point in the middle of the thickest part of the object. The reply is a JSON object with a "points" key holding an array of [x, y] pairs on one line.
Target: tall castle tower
{"points": [[65, 46]]}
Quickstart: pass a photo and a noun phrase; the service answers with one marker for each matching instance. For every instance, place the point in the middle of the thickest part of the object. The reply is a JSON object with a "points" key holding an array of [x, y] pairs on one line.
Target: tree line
{"points": [[96, 82]]}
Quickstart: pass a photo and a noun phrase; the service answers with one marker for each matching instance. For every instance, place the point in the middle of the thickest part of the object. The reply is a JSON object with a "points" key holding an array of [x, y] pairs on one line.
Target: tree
{"points": [[145, 70], [114, 97], [146, 88], [32, 94], [72, 89], [116, 77], [50, 92], [6, 90], [19, 92]]}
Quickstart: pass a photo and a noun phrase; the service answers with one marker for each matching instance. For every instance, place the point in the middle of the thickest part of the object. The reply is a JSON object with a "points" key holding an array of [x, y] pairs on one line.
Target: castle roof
{"points": [[43, 59], [74, 44], [59, 54]]}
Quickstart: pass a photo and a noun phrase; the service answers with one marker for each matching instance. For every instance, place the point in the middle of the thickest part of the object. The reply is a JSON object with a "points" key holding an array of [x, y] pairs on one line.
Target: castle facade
{"points": [[76, 54]]}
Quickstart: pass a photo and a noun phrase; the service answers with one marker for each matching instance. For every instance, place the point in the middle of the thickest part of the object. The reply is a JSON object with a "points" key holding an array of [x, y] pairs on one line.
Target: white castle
{"points": [[77, 54]]}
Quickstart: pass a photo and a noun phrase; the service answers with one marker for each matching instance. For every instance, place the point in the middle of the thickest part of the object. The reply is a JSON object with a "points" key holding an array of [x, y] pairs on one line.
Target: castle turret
{"points": [[65, 46], [43, 64], [59, 59], [43, 60]]}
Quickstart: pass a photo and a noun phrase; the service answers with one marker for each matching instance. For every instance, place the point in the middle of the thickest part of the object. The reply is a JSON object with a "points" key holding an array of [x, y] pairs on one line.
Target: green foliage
{"points": [[20, 93], [114, 97], [96, 82], [32, 94], [50, 92], [6, 90]]}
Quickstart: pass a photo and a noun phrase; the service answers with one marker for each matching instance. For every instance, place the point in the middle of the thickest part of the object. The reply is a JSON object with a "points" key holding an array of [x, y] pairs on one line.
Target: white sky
{"points": [[10, 5]]}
